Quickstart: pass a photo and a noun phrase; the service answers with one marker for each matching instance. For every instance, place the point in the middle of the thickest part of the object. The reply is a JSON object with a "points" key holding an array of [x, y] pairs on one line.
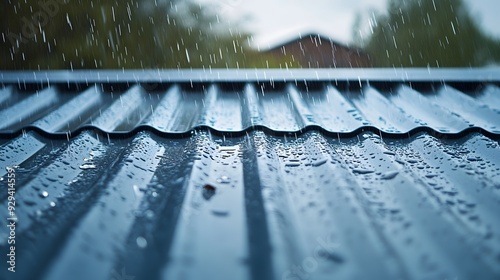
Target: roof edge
{"points": [[324, 38], [254, 75]]}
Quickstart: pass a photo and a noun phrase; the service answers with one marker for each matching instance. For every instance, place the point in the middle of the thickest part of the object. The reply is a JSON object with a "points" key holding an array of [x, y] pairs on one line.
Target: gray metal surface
{"points": [[329, 180], [391, 107], [256, 207], [491, 74]]}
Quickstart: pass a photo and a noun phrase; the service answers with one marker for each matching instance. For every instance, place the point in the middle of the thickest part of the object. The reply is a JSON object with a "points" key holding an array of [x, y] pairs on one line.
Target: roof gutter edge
{"points": [[255, 75]]}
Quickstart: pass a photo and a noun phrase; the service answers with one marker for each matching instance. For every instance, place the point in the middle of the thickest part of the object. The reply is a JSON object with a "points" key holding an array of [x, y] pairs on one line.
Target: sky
{"points": [[275, 21]]}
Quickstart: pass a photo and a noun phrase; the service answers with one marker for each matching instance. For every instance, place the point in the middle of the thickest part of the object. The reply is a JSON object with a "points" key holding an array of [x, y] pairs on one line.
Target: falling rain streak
{"points": [[204, 34]]}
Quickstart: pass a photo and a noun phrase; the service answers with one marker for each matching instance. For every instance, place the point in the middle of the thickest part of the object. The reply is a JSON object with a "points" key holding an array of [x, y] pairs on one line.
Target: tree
{"points": [[76, 34], [430, 33]]}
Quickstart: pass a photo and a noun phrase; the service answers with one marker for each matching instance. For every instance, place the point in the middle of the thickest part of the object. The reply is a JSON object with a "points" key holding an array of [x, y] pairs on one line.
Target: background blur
{"points": [[82, 34]]}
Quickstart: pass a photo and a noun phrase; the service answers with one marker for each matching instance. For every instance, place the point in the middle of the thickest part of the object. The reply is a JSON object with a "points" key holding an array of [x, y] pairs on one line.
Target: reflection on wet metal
{"points": [[300, 179], [346, 208], [389, 105]]}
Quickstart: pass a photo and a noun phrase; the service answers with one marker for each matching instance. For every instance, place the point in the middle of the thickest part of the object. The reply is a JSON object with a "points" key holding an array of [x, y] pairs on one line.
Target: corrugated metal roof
{"points": [[252, 181], [291, 105]]}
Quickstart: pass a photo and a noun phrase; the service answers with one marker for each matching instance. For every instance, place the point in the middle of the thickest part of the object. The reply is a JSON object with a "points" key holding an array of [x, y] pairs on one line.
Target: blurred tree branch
{"points": [[118, 34], [427, 33]]}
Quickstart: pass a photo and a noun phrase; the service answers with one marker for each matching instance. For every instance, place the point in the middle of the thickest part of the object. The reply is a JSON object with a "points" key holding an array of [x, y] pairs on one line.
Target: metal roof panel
{"points": [[293, 105], [252, 180], [257, 206]]}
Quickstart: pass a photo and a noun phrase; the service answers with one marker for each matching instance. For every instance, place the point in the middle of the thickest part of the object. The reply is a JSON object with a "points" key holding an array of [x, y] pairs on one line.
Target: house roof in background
{"points": [[321, 39]]}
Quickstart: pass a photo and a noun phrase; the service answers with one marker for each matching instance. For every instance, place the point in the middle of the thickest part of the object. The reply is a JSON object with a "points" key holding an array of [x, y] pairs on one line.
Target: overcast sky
{"points": [[273, 21]]}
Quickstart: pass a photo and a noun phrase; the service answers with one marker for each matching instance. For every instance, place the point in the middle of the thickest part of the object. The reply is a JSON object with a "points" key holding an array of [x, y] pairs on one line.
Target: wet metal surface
{"points": [[253, 180], [395, 106], [305, 206]]}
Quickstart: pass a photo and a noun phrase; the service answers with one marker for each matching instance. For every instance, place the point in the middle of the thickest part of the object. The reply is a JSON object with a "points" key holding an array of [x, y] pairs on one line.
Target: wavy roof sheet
{"points": [[292, 105], [297, 179]]}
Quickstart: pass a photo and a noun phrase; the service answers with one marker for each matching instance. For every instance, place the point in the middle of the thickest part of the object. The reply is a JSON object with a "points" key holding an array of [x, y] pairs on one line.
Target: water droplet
{"points": [[29, 202], [389, 175], [400, 161], [362, 171], [224, 180], [51, 179], [95, 153], [471, 158], [319, 162], [149, 214], [87, 166], [292, 164], [432, 182], [208, 192], [450, 193], [137, 191], [220, 213], [178, 181], [44, 194], [52, 204], [141, 242], [72, 181], [330, 256]]}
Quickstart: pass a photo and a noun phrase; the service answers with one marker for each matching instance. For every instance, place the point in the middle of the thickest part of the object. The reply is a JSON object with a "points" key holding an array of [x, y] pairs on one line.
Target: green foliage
{"points": [[81, 34], [430, 33]]}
